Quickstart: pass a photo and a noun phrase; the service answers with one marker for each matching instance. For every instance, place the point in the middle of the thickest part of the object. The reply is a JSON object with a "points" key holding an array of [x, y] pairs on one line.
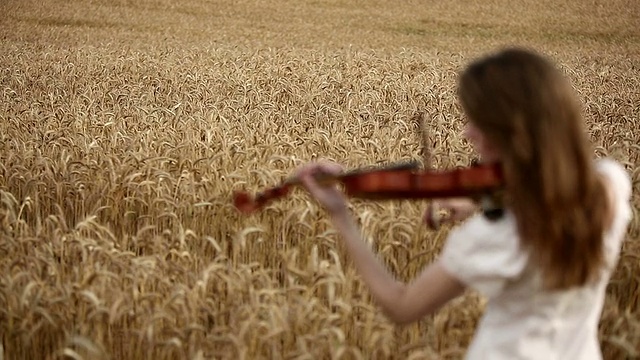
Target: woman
{"points": [[545, 264]]}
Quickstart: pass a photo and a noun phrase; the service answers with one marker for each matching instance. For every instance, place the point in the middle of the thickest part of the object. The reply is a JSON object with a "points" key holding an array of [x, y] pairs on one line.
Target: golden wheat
{"points": [[125, 126]]}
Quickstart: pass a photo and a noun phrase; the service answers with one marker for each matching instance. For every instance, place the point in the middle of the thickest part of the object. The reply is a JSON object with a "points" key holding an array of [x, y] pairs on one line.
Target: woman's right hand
{"points": [[445, 211]]}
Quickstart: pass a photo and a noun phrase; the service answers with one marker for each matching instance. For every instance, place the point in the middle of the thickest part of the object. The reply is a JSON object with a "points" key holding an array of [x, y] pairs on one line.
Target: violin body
{"points": [[403, 181], [409, 184]]}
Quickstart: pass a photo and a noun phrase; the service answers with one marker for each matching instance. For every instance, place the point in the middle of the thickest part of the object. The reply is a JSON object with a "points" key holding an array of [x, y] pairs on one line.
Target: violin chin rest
{"points": [[493, 214]]}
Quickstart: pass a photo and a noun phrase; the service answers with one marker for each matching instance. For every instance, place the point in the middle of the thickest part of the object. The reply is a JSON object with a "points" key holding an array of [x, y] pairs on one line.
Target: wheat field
{"points": [[125, 126]]}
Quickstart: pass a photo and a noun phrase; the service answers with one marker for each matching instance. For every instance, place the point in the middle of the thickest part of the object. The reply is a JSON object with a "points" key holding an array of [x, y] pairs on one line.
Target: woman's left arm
{"points": [[402, 303]]}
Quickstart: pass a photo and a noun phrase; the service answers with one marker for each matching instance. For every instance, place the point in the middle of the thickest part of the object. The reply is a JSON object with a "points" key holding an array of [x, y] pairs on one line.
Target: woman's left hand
{"points": [[328, 195]]}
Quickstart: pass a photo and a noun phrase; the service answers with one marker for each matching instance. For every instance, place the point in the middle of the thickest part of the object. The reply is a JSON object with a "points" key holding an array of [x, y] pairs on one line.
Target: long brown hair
{"points": [[529, 111]]}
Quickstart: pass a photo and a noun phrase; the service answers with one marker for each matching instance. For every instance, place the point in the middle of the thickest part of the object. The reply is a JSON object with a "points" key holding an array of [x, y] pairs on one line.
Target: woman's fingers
{"points": [[431, 218], [329, 168], [437, 214], [328, 195], [320, 167]]}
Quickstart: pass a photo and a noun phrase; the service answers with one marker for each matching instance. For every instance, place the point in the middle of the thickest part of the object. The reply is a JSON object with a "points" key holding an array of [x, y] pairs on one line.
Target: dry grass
{"points": [[125, 126]]}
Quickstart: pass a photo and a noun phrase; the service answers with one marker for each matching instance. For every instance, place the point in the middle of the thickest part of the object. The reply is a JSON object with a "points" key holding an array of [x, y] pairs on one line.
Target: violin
{"points": [[481, 182]]}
